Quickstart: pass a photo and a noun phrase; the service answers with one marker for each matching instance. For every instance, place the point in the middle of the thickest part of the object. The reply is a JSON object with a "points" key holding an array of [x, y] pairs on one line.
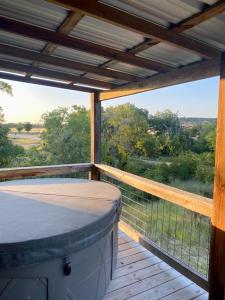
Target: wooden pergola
{"points": [[112, 49]]}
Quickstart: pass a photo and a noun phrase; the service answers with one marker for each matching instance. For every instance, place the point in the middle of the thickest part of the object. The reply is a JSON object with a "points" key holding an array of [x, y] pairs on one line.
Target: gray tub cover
{"points": [[43, 219]]}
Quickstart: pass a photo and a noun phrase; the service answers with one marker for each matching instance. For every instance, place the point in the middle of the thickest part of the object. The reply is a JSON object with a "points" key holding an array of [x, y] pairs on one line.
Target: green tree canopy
{"points": [[125, 130], [19, 127], [6, 88], [8, 151], [28, 126], [67, 135]]}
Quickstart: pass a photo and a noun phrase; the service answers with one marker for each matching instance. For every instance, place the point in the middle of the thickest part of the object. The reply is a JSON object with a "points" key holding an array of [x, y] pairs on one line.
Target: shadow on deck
{"points": [[141, 275]]}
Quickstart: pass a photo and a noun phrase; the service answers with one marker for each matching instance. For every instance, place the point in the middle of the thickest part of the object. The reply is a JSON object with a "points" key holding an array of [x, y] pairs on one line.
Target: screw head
{"points": [[67, 269]]}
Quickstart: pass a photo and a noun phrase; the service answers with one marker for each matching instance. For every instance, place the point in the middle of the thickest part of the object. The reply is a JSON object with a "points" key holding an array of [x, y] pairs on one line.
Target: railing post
{"points": [[217, 249], [95, 134]]}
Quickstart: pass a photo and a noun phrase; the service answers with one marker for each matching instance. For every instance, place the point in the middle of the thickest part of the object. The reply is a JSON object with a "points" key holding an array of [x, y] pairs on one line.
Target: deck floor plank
{"points": [[149, 261], [133, 258], [140, 275], [190, 292]]}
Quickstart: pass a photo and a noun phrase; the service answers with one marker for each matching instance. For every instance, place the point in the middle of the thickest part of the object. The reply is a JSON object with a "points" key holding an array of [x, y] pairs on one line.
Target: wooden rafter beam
{"points": [[138, 25], [188, 23], [15, 67], [36, 32], [66, 27], [198, 18], [65, 63], [197, 71], [46, 83]]}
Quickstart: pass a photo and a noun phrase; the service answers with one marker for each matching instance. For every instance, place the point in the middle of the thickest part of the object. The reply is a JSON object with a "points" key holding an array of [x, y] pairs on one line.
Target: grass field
{"points": [[26, 139], [181, 233]]}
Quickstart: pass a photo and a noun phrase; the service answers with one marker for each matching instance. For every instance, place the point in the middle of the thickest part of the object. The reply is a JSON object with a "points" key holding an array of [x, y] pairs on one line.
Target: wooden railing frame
{"points": [[95, 124], [193, 202], [12, 173], [190, 201]]}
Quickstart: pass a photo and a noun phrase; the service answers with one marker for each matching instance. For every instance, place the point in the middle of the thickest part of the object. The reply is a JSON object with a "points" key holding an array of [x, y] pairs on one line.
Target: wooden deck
{"points": [[140, 275]]}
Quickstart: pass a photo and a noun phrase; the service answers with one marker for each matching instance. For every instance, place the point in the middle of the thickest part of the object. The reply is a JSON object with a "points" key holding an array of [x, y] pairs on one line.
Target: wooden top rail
{"points": [[44, 170], [196, 203]]}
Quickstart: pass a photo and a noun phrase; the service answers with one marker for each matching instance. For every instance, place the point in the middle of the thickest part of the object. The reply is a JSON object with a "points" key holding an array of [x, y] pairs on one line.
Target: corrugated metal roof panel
{"points": [[103, 78], [49, 79], [22, 74], [162, 12], [106, 34], [61, 69], [35, 12], [15, 59], [79, 56], [169, 54], [130, 69], [20, 41], [210, 32], [168, 12]]}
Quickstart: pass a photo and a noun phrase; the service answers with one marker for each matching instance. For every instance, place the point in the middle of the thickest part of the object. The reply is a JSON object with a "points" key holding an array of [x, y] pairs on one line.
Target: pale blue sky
{"points": [[196, 99]]}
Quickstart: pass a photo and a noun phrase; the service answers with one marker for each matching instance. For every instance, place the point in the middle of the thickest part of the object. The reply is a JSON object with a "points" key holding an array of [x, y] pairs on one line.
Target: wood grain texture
{"points": [[15, 67], [65, 63], [197, 71], [66, 27], [7, 173], [217, 257], [193, 202], [206, 14], [95, 134], [138, 25], [164, 256], [142, 278], [71, 20], [57, 38]]}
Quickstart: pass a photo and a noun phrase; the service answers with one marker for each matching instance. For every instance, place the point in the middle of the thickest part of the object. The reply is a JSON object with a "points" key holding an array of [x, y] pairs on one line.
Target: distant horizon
{"points": [[40, 124], [190, 100]]}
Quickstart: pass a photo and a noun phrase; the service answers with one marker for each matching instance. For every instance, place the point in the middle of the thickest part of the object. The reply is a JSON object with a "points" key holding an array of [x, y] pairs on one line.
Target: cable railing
{"points": [[169, 229]]}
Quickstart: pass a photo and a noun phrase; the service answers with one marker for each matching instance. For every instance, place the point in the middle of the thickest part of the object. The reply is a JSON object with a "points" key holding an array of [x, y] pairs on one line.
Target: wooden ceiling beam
{"points": [[197, 71], [13, 77], [130, 22], [188, 23], [7, 65], [65, 63], [66, 27], [39, 33], [207, 13]]}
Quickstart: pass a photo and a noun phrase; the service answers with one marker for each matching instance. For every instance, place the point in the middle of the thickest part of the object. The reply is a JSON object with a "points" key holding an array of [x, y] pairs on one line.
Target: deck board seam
{"points": [[161, 272], [138, 270]]}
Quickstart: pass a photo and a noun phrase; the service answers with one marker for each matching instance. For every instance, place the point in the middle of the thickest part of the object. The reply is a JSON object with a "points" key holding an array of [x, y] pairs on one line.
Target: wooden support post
{"points": [[217, 250], [95, 134]]}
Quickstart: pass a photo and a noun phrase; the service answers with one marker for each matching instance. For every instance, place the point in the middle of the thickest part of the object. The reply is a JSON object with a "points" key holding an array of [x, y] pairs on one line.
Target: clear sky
{"points": [[196, 99]]}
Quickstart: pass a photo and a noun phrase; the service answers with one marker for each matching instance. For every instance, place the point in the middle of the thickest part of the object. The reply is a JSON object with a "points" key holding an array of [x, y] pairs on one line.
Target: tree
{"points": [[206, 139], [67, 135], [8, 151], [19, 127], [165, 122], [28, 126], [124, 132], [6, 88]]}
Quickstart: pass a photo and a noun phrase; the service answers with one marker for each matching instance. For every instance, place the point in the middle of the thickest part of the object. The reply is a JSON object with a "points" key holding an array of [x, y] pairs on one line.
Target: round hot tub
{"points": [[58, 238]]}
